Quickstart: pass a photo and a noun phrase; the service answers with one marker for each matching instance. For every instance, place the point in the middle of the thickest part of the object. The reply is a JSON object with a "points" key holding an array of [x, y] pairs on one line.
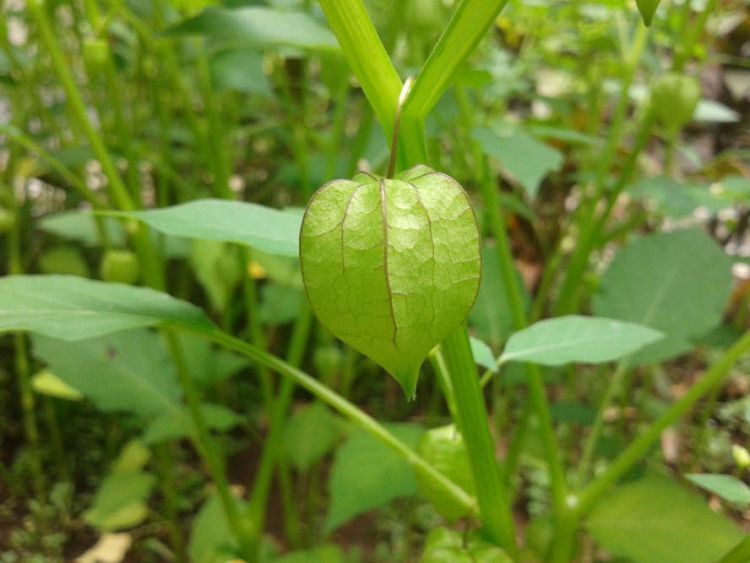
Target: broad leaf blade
{"points": [[264, 228], [555, 342], [656, 520], [366, 475], [128, 371], [259, 26], [524, 158], [74, 308], [310, 433], [677, 283]]}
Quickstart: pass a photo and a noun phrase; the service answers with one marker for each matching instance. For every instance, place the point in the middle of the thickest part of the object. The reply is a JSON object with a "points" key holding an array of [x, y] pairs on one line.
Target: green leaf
{"points": [[647, 8], [133, 457], [240, 70], [80, 226], [727, 487], [178, 424], [120, 500], [128, 371], [47, 383], [468, 25], [483, 355], [677, 283], [211, 538], [524, 158], [262, 27], [367, 475], [266, 229], [676, 200], [73, 308], [218, 270], [654, 520], [491, 316], [311, 432], [207, 365], [391, 267], [280, 304], [712, 111], [556, 342]]}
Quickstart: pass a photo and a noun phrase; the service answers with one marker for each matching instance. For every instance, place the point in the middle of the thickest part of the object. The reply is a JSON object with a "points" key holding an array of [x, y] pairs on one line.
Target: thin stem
{"points": [[279, 408], [591, 442], [366, 56], [78, 110], [206, 447], [588, 228], [153, 273], [638, 449], [347, 409], [403, 96], [512, 284], [22, 369]]}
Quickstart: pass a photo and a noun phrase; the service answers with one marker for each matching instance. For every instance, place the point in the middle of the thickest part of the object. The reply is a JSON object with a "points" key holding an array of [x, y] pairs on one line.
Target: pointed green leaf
{"points": [[727, 487], [555, 342], [391, 267], [524, 158], [263, 228], [47, 383], [74, 308], [483, 355], [647, 8]]}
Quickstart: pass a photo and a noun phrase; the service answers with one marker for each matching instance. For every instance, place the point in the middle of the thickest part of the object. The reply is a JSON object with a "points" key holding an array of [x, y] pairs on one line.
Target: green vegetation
{"points": [[533, 215]]}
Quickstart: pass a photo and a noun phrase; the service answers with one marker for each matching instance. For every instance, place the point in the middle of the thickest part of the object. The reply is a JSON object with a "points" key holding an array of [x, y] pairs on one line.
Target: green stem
{"points": [[165, 465], [591, 442], [208, 451], [645, 441], [48, 39], [496, 514], [279, 408], [21, 357], [65, 173], [512, 284], [571, 286], [348, 410], [366, 56], [150, 262]]}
